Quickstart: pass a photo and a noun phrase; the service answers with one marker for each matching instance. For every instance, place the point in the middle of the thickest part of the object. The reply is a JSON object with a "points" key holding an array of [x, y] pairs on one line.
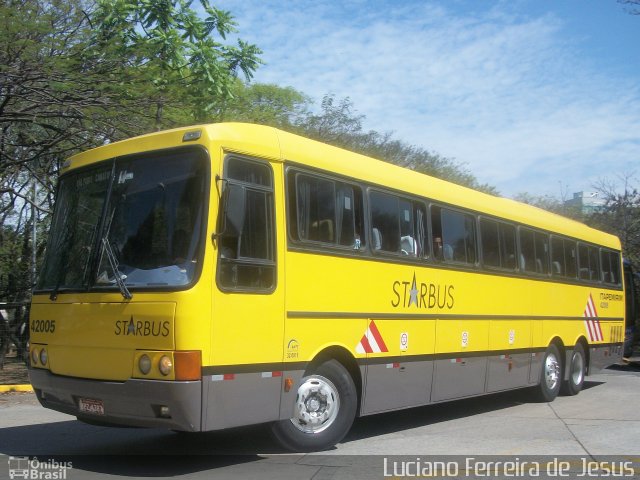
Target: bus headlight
{"points": [[144, 364], [165, 365], [44, 356], [34, 356]]}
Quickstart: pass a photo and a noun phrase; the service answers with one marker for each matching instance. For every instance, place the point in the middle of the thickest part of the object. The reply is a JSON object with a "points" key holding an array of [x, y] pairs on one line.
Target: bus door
{"points": [[243, 383]]}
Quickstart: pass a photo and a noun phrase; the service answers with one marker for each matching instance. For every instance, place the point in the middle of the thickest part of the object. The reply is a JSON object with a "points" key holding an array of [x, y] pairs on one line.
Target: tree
{"points": [[621, 216], [551, 204], [169, 46], [76, 74], [280, 107], [339, 124]]}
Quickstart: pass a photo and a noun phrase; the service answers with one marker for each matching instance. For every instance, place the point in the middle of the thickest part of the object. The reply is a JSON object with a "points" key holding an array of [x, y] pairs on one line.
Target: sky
{"points": [[536, 96]]}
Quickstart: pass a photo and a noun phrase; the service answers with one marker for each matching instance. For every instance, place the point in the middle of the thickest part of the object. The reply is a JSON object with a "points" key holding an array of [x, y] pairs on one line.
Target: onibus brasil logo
{"points": [[32, 468]]}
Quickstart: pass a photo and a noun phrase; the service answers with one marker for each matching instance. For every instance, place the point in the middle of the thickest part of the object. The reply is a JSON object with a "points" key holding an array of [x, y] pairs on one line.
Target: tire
{"points": [[324, 411], [577, 371], [550, 375]]}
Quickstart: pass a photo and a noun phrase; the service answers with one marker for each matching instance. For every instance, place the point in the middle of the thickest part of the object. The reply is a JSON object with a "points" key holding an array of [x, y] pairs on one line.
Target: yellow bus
{"points": [[230, 274]]}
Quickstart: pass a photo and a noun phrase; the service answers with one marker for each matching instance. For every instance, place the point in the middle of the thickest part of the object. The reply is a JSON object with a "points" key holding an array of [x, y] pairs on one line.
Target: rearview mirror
{"points": [[232, 210]]}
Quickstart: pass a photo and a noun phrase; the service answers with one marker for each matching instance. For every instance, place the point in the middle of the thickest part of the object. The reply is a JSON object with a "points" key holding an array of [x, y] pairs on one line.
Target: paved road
{"points": [[603, 420]]}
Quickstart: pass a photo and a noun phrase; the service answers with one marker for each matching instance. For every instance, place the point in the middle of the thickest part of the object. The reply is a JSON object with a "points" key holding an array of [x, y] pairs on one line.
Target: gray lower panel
{"points": [[241, 399], [132, 403], [459, 377], [536, 368], [601, 357], [508, 371], [288, 399], [397, 385], [567, 363]]}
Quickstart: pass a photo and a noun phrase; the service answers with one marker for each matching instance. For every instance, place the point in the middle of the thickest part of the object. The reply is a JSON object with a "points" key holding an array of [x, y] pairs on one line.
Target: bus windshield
{"points": [[132, 222]]}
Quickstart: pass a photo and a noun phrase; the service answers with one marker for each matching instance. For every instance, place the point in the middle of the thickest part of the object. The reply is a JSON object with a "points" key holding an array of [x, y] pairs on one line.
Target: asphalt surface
{"points": [[601, 424]]}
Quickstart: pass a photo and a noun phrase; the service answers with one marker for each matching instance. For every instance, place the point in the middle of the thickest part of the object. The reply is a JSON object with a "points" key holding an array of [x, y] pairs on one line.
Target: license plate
{"points": [[91, 405]]}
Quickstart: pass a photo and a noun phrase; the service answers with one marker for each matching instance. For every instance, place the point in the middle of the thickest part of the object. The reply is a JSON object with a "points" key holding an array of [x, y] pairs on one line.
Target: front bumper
{"points": [[134, 402]]}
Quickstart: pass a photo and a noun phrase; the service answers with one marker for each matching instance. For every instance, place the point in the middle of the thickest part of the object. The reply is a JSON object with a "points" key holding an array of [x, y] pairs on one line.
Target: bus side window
{"points": [[610, 267], [490, 243], [507, 245], [527, 251], [498, 244], [436, 233], [316, 209], [454, 237], [594, 264], [385, 219], [563, 257], [583, 262], [542, 252], [247, 253], [534, 251], [324, 211], [588, 263], [558, 267], [570, 258], [397, 225]]}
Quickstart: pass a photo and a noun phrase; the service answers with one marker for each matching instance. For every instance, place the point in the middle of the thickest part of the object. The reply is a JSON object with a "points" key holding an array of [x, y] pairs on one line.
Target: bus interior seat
{"points": [[557, 268], [377, 239], [447, 250], [324, 230], [408, 245]]}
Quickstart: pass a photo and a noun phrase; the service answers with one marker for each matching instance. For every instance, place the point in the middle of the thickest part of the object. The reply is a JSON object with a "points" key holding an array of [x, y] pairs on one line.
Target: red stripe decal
{"points": [[593, 306], [366, 345], [377, 337], [600, 336]]}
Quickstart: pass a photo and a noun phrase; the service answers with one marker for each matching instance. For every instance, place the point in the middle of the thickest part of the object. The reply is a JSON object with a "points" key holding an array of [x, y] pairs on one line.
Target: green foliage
{"points": [[280, 107], [551, 204], [75, 74], [621, 217], [167, 45]]}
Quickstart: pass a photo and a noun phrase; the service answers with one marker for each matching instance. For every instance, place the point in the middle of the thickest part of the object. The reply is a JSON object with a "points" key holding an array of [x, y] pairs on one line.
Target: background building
{"points": [[586, 202]]}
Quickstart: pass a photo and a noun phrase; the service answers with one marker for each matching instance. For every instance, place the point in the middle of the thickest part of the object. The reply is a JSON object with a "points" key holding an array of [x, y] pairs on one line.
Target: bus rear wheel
{"points": [[324, 410], [577, 370], [551, 375]]}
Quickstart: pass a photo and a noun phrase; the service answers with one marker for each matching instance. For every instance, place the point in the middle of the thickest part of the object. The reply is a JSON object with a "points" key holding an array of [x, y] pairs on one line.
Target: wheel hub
{"points": [[577, 369], [317, 405], [552, 371]]}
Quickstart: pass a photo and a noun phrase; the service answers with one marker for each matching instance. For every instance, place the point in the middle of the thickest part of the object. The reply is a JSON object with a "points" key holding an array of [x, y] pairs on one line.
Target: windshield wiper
{"points": [[113, 262]]}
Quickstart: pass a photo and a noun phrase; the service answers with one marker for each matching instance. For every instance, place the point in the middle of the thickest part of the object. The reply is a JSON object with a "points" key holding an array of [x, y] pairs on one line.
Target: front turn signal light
{"points": [[188, 365]]}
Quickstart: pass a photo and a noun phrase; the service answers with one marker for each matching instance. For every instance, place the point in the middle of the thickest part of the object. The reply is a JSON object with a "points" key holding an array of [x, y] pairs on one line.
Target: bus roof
{"points": [[269, 142]]}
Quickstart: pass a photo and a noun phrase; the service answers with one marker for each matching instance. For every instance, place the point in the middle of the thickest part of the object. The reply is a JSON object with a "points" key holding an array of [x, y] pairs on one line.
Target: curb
{"points": [[16, 388]]}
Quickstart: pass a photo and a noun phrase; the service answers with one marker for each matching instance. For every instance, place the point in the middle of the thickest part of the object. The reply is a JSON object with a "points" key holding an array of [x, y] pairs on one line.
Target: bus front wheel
{"points": [[551, 375], [324, 410], [577, 370]]}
